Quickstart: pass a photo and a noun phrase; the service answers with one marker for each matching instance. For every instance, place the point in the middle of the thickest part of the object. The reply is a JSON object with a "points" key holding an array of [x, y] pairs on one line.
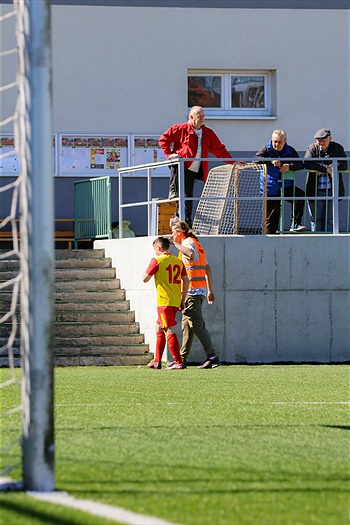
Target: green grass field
{"points": [[237, 445]]}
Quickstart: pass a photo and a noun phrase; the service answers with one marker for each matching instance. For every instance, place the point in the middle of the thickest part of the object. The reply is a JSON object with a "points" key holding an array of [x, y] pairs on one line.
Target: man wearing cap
{"points": [[319, 181]]}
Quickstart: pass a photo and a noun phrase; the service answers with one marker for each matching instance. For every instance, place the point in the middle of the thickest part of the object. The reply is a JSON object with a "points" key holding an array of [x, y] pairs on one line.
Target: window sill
{"points": [[241, 117]]}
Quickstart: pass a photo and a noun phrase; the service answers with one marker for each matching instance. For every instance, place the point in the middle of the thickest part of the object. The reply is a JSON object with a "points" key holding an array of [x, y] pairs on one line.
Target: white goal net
{"points": [[231, 203], [10, 274]]}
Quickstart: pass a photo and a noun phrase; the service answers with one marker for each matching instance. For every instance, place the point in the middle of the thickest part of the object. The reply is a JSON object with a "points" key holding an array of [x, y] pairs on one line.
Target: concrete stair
{"points": [[94, 323]]}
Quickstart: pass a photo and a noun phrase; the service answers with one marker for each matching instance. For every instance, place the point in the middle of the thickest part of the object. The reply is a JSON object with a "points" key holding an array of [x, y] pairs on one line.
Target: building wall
{"points": [[278, 299], [124, 69], [130, 74]]}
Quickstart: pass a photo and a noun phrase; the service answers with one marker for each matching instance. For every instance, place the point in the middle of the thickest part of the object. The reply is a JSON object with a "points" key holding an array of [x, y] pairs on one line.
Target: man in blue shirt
{"points": [[279, 148]]}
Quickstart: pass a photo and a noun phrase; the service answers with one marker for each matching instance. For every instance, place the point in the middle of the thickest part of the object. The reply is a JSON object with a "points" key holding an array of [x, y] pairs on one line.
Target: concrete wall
{"points": [[278, 299]]}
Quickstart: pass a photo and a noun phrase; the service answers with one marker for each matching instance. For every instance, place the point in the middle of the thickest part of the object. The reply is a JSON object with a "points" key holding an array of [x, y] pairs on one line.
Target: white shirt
{"points": [[197, 163]]}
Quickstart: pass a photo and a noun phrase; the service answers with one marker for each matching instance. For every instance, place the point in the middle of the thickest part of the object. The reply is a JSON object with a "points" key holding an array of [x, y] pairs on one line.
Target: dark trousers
{"points": [[321, 212], [190, 178], [194, 324], [273, 209]]}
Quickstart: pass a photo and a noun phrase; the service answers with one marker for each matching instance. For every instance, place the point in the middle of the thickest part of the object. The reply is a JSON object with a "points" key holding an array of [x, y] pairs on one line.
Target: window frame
{"points": [[226, 111]]}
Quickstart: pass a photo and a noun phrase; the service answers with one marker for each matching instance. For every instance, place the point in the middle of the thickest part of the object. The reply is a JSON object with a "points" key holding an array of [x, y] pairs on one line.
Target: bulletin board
{"points": [[92, 155], [144, 150], [9, 160]]}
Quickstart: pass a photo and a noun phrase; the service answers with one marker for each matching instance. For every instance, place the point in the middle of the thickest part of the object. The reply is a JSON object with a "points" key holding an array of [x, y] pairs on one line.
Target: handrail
{"points": [[149, 167], [149, 203]]}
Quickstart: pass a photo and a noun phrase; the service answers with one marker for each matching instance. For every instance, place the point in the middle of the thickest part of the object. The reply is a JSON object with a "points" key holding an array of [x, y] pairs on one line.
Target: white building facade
{"points": [[132, 68]]}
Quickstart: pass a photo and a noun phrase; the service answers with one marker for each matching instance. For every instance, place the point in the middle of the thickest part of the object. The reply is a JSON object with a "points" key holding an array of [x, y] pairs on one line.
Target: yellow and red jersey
{"points": [[168, 271]]}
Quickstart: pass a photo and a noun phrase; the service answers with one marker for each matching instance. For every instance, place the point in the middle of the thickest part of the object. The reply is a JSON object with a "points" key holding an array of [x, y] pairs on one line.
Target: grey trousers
{"points": [[194, 324]]}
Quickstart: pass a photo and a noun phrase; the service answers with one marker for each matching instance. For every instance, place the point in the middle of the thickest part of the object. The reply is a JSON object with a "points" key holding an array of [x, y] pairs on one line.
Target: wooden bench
{"points": [[66, 236]]}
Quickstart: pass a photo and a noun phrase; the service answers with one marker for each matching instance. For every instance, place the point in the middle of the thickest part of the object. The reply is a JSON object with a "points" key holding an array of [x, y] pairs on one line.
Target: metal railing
{"points": [[332, 196], [92, 209], [152, 203]]}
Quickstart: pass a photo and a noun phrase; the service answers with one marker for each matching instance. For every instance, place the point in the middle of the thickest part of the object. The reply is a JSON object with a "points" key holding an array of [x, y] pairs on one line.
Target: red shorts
{"points": [[166, 316]]}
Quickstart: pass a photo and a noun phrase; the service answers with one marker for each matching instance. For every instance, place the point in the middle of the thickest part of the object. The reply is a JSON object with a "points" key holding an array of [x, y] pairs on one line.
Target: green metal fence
{"points": [[92, 209]]}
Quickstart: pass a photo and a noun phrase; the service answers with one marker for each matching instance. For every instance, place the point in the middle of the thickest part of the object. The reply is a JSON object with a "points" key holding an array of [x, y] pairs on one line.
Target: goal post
{"points": [[232, 202], [33, 137]]}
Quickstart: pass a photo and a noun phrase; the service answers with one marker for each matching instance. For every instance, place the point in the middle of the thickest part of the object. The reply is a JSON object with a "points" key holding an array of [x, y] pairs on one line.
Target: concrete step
{"points": [[65, 254], [86, 329], [93, 360], [118, 360], [121, 349], [77, 297], [88, 286], [81, 328], [125, 349], [105, 296], [83, 263], [92, 306], [107, 340], [122, 317], [84, 313], [14, 265], [79, 254], [86, 274], [84, 341]]}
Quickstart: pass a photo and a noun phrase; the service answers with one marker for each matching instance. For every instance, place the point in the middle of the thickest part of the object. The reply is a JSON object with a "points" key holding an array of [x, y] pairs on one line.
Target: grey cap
{"points": [[322, 133]]}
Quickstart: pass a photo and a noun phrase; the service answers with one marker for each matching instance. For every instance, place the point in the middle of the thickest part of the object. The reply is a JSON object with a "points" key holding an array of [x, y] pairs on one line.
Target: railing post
{"points": [[181, 170], [335, 197], [149, 200], [120, 213]]}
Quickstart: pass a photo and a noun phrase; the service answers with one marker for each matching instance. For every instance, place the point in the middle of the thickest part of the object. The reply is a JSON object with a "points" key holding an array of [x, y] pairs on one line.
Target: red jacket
{"points": [[182, 140]]}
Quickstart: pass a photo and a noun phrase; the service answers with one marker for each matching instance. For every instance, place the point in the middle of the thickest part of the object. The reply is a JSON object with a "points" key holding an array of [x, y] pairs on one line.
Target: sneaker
{"points": [[212, 362], [170, 364], [297, 228], [155, 365], [175, 366]]}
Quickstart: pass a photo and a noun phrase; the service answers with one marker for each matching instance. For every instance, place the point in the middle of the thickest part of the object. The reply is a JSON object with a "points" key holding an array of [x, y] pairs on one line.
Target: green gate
{"points": [[92, 209]]}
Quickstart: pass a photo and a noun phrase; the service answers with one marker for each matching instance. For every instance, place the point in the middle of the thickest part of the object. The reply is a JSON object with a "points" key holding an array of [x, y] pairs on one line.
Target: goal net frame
{"points": [[231, 202]]}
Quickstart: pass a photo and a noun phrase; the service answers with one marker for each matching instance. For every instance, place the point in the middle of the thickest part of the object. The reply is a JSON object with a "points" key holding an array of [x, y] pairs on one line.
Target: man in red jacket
{"points": [[191, 140]]}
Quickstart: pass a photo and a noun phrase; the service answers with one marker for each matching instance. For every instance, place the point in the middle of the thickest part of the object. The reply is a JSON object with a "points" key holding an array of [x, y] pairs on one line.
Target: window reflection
{"points": [[204, 91], [247, 92]]}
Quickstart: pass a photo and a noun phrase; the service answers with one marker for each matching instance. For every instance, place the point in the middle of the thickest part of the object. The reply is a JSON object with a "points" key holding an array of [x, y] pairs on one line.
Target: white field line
{"points": [[310, 402], [94, 508], [102, 510], [212, 403]]}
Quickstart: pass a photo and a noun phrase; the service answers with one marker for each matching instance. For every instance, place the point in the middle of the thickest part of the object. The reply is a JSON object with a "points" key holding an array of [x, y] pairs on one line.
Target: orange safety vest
{"points": [[196, 270]]}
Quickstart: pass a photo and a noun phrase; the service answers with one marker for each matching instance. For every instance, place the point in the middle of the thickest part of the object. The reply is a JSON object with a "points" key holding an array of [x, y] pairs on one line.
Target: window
{"points": [[231, 93]]}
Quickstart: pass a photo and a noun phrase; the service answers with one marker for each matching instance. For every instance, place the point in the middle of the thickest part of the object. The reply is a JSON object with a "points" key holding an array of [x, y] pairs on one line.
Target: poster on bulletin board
{"points": [[9, 159], [146, 150], [91, 156]]}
